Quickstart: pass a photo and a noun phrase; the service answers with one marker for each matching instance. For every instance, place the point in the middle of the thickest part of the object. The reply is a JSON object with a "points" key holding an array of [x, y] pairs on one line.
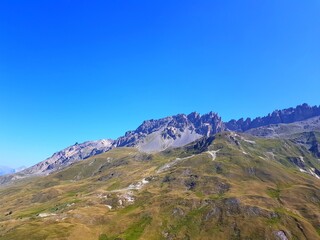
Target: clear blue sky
{"points": [[72, 71]]}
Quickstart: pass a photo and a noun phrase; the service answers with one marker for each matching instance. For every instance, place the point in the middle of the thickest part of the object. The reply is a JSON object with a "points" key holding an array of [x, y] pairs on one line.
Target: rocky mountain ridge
{"points": [[180, 130], [289, 115], [173, 131], [62, 159], [70, 155]]}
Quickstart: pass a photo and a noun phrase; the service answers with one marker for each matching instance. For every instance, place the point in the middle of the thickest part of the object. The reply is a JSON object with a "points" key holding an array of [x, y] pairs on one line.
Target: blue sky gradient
{"points": [[72, 71]]}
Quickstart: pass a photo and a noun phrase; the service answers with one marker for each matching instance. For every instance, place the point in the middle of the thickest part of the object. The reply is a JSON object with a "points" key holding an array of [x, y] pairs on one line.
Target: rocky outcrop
{"points": [[310, 140], [280, 235], [289, 115]]}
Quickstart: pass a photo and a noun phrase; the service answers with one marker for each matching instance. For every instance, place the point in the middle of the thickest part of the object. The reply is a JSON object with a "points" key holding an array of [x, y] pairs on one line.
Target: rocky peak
{"points": [[289, 115], [176, 130], [210, 124], [182, 129], [152, 125], [194, 117]]}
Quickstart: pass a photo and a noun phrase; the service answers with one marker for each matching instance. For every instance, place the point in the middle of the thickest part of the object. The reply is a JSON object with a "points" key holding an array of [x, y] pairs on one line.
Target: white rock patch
{"points": [[302, 170], [248, 141], [137, 185], [312, 171], [43, 215], [281, 235], [301, 158], [213, 154], [171, 164]]}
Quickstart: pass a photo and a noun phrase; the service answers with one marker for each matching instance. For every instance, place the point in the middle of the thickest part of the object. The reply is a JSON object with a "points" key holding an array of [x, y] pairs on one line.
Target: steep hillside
{"points": [[227, 186]]}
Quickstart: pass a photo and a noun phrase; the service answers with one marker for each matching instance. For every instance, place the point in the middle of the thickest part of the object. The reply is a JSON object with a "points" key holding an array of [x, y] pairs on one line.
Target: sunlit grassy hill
{"points": [[229, 186]]}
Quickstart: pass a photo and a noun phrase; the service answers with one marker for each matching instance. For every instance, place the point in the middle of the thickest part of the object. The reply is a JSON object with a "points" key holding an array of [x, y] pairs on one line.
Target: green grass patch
{"points": [[116, 185], [191, 221], [103, 237], [62, 206], [31, 213], [218, 196], [200, 194], [285, 211], [274, 193], [128, 209], [136, 230], [274, 220], [72, 193]]}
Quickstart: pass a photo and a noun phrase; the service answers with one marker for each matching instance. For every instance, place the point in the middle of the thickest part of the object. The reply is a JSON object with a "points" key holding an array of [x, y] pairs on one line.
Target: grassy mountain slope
{"points": [[227, 187]]}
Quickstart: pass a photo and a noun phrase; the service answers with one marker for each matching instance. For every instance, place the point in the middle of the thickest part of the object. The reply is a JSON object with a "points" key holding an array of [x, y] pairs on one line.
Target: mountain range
{"points": [[180, 177], [179, 130]]}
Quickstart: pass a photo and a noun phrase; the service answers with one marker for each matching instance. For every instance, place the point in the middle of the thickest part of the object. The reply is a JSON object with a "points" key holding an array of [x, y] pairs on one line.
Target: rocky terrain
{"points": [[179, 130], [289, 115], [174, 131], [70, 155]]}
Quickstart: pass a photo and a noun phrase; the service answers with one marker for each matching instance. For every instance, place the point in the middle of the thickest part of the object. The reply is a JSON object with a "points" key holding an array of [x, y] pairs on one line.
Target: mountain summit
{"points": [[174, 131]]}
